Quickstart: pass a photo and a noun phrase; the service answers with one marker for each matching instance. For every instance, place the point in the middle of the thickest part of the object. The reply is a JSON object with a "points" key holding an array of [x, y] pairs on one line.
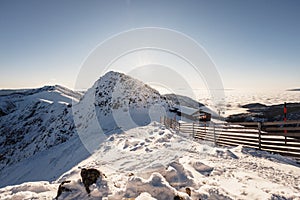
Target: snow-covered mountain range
{"points": [[35, 120], [48, 134]]}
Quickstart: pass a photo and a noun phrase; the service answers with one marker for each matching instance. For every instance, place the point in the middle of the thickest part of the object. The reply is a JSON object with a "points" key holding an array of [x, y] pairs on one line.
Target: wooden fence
{"points": [[277, 137]]}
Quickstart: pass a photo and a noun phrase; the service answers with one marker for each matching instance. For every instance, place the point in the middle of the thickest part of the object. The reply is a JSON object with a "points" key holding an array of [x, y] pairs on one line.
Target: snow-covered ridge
{"points": [[59, 88], [34, 120], [10, 98]]}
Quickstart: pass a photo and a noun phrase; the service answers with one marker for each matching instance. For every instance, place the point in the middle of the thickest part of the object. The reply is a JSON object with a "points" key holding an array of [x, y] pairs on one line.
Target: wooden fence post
{"points": [[284, 119], [193, 131], [259, 135], [174, 124], [215, 141]]}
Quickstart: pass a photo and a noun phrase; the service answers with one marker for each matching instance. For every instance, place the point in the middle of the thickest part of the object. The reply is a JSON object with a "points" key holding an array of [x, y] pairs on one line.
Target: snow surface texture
{"points": [[152, 162]]}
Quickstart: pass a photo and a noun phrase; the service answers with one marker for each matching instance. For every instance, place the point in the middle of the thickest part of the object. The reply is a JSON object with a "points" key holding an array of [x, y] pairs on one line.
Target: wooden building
{"points": [[191, 113]]}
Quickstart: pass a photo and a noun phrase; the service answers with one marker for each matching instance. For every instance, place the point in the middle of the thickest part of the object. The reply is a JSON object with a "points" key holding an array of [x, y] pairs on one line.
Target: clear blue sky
{"points": [[255, 44]]}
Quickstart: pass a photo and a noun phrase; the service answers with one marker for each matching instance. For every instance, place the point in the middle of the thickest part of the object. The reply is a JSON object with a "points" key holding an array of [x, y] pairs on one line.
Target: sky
{"points": [[255, 44]]}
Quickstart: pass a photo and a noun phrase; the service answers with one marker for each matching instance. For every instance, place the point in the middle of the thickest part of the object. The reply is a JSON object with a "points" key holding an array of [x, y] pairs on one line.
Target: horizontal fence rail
{"points": [[277, 137]]}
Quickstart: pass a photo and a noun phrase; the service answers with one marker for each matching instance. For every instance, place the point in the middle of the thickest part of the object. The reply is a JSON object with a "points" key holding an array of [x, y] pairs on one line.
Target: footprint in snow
{"points": [[161, 132], [169, 136], [226, 154], [162, 140], [148, 140], [202, 168], [112, 138], [136, 148], [126, 145]]}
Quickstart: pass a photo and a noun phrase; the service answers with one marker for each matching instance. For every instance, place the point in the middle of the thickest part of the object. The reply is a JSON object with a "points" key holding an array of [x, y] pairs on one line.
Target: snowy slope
{"points": [[45, 165], [152, 162], [34, 120]]}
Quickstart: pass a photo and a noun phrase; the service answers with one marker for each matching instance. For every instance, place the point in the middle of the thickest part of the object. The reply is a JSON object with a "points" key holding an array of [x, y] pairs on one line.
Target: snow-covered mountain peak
{"points": [[116, 102], [113, 82], [116, 94], [121, 89]]}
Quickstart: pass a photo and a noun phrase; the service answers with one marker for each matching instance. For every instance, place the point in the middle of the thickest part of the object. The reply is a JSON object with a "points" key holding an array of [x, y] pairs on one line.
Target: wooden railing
{"points": [[277, 137]]}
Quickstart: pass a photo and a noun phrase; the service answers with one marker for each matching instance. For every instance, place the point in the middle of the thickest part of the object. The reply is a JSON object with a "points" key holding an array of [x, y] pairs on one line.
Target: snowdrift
{"points": [[152, 162]]}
